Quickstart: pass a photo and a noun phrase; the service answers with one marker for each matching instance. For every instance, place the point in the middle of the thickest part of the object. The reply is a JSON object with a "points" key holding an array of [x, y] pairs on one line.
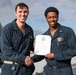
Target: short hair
{"points": [[21, 5], [51, 9]]}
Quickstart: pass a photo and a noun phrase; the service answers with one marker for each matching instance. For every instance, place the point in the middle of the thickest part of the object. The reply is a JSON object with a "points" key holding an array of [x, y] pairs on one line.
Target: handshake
{"points": [[28, 61]]}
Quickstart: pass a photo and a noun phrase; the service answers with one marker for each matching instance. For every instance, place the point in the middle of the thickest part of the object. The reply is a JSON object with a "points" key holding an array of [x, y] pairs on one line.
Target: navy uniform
{"points": [[16, 47], [63, 45]]}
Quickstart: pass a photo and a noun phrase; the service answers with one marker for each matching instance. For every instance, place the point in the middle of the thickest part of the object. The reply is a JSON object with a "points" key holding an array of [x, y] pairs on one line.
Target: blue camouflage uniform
{"points": [[15, 47], [63, 45]]}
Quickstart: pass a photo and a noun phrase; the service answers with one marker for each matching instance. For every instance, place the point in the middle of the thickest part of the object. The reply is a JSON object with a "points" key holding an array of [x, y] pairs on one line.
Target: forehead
{"points": [[21, 8], [52, 14]]}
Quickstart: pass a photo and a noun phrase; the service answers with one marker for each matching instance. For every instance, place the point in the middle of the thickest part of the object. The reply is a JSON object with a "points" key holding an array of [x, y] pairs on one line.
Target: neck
{"points": [[53, 30], [20, 25]]}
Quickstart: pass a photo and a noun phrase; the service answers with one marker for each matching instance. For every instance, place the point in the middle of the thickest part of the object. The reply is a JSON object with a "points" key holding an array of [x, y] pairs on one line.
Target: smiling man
{"points": [[63, 46], [17, 41]]}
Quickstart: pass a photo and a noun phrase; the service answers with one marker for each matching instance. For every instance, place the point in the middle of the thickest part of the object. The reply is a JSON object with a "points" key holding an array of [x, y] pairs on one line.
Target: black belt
{"points": [[58, 67]]}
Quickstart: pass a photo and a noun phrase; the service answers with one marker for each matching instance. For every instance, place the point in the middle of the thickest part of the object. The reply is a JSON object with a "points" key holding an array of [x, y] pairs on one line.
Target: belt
{"points": [[10, 62], [58, 67]]}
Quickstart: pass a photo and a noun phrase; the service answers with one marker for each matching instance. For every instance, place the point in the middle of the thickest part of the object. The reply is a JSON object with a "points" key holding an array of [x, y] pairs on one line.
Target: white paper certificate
{"points": [[42, 44]]}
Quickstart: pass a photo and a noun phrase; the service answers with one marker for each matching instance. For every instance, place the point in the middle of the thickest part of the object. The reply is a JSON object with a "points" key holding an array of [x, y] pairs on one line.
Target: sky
{"points": [[36, 18]]}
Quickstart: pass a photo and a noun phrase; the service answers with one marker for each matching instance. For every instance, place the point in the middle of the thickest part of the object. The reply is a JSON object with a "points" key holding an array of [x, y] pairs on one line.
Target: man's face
{"points": [[52, 19], [22, 14]]}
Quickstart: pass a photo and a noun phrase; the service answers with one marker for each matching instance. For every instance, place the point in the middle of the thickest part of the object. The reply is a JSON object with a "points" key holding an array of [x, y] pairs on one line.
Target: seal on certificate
{"points": [[43, 38]]}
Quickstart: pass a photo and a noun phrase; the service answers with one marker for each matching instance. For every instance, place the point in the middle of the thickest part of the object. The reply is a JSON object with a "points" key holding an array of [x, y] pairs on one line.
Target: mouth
{"points": [[23, 18], [52, 22]]}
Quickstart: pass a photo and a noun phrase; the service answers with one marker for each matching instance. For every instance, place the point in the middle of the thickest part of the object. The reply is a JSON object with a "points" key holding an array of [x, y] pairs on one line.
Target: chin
{"points": [[22, 21], [52, 25]]}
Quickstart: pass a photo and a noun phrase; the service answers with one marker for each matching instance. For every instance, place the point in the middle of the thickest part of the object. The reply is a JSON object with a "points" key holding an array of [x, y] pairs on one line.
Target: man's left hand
{"points": [[50, 56]]}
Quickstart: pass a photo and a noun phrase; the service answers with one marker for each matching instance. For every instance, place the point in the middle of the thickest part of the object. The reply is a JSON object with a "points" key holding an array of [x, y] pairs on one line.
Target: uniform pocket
{"points": [[62, 45]]}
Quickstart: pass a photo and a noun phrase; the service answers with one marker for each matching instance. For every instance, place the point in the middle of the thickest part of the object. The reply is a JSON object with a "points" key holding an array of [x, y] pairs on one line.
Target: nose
{"points": [[52, 19], [23, 13]]}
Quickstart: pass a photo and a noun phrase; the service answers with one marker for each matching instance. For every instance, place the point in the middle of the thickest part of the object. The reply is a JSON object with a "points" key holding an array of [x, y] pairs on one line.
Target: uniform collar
{"points": [[27, 29], [59, 29], [14, 25], [58, 32]]}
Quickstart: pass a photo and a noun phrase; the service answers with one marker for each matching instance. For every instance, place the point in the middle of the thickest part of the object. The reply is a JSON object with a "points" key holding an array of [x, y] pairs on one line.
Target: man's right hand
{"points": [[28, 61]]}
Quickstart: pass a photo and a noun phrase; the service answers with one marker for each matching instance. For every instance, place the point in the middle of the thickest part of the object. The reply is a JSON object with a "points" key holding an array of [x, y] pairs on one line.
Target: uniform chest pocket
{"points": [[62, 45]]}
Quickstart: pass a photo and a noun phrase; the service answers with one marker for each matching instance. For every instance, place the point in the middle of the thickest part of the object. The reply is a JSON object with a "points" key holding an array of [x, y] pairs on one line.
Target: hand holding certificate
{"points": [[42, 44]]}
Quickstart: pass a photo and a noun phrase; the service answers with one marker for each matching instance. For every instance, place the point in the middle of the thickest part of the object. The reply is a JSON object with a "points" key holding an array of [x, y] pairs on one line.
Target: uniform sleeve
{"points": [[37, 58], [32, 46], [8, 52], [71, 48]]}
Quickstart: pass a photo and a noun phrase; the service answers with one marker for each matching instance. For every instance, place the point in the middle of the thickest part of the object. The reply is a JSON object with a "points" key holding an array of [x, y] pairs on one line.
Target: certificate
{"points": [[42, 44]]}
